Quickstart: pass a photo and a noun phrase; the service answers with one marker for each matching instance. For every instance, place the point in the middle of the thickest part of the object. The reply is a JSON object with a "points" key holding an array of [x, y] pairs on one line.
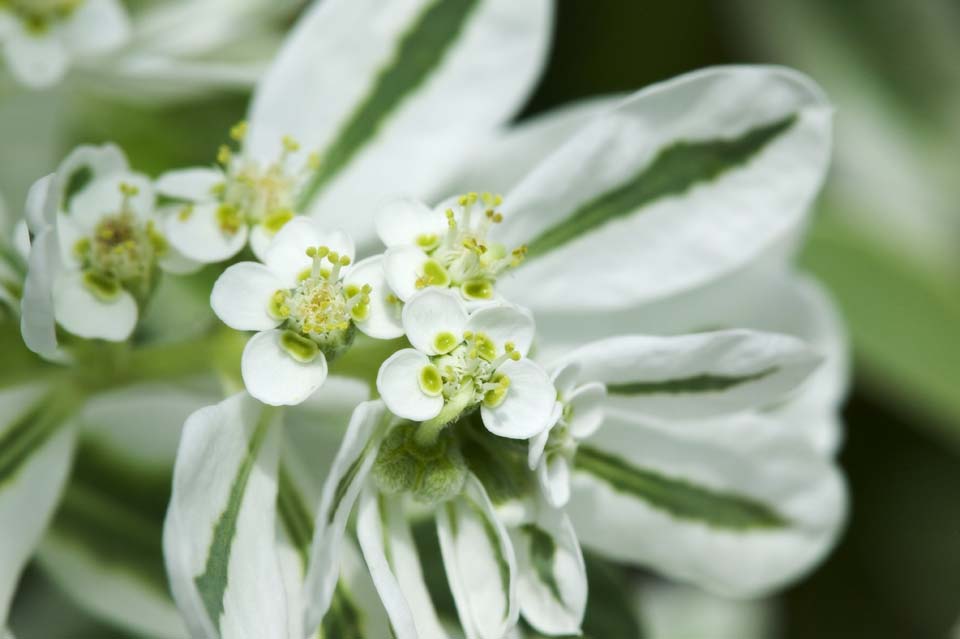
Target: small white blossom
{"points": [[306, 302], [463, 360], [242, 199], [445, 247], [42, 38]]}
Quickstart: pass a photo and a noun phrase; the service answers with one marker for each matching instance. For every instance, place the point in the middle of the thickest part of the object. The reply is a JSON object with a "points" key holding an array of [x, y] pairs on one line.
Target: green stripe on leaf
{"points": [[212, 584], [696, 384], [294, 515], [672, 172], [29, 432], [679, 498], [419, 52], [543, 551], [343, 620]]}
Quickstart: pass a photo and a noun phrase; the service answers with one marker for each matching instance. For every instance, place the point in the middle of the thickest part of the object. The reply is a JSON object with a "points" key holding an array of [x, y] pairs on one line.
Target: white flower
{"points": [[305, 301], [97, 250], [579, 413], [445, 247], [463, 360], [221, 208], [41, 38]]}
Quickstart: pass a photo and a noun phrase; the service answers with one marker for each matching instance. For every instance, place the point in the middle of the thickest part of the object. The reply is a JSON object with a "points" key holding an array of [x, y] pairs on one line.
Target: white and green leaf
{"points": [[394, 565], [738, 505], [679, 185], [696, 375], [373, 90], [36, 447], [480, 563], [350, 468], [220, 532], [551, 574]]}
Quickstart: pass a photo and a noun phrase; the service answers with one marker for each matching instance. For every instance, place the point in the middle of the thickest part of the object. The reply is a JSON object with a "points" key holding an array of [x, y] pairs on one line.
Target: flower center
{"points": [[320, 310], [38, 15], [256, 194], [121, 251], [462, 257], [467, 374]]}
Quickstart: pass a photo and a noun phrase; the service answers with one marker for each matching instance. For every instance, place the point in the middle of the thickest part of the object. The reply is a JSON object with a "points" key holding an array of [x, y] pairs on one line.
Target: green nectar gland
{"points": [[462, 257], [320, 310], [39, 15], [121, 252], [256, 194]]}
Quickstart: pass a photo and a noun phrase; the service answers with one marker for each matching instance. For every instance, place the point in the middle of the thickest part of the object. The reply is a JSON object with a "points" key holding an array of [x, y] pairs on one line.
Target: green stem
{"points": [[430, 430]]}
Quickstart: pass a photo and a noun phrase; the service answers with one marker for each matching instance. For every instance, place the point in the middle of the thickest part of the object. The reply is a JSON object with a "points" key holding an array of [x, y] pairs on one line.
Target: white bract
{"points": [[42, 38], [219, 209], [97, 250], [461, 361], [445, 247], [306, 302]]}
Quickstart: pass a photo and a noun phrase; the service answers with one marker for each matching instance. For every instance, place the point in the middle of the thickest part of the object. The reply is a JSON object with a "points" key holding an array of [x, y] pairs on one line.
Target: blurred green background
{"points": [[885, 240]]}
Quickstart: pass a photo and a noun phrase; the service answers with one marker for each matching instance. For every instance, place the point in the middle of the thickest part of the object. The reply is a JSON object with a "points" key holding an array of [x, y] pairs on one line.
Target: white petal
{"points": [[219, 536], [586, 405], [68, 234], [272, 376], [98, 161], [505, 323], [565, 377], [97, 26], [738, 505], [431, 312], [699, 374], [37, 61], [199, 237], [528, 405], [551, 575], [36, 471], [287, 254], [553, 474], [102, 197], [260, 241], [395, 566], [85, 315], [478, 61], [597, 223], [36, 204], [403, 265], [176, 263], [357, 453], [383, 318], [538, 443], [37, 321], [192, 185], [241, 295], [401, 222], [399, 386]]}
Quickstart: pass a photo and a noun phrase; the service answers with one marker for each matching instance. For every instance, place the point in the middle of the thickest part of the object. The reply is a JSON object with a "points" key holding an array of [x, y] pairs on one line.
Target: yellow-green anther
{"points": [[433, 275], [276, 220], [239, 131], [445, 342], [229, 219], [82, 247], [277, 307], [495, 396], [431, 383], [485, 347], [300, 348], [427, 241]]}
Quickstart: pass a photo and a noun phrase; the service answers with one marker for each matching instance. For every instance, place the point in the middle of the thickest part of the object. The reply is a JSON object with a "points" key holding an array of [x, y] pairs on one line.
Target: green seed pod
{"points": [[432, 474]]}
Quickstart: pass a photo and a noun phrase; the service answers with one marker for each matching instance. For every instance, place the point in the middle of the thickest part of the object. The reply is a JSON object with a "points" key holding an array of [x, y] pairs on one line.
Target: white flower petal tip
{"points": [[273, 376], [528, 405], [435, 320], [554, 478], [504, 323], [196, 231], [586, 409], [398, 382], [409, 222], [190, 185], [384, 309], [242, 295], [85, 314]]}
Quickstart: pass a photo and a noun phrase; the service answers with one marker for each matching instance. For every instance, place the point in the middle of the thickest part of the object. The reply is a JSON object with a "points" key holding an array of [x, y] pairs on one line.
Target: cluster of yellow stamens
{"points": [[462, 257], [122, 250], [466, 372]]}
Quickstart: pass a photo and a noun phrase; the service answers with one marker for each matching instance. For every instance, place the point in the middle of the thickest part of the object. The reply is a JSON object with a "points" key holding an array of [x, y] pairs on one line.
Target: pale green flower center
{"points": [[320, 310], [256, 194], [462, 257]]}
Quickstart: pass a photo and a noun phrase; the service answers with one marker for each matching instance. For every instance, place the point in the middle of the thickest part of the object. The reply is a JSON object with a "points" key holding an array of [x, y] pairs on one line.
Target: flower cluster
{"points": [[516, 375]]}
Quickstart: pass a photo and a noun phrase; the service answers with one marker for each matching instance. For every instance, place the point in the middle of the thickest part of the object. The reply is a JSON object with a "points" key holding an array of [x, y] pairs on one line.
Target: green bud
{"points": [[432, 474]]}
